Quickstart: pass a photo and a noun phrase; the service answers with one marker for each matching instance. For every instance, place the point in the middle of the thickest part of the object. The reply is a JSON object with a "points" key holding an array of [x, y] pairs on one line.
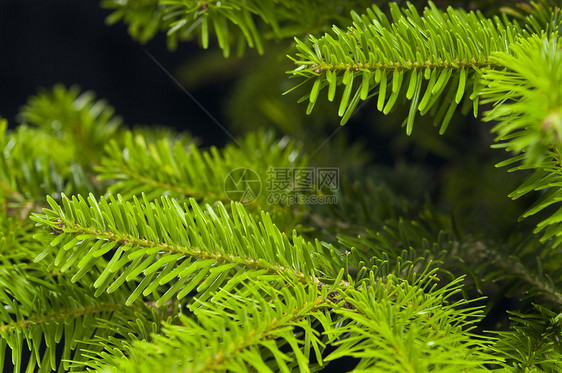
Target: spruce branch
{"points": [[28, 172]]}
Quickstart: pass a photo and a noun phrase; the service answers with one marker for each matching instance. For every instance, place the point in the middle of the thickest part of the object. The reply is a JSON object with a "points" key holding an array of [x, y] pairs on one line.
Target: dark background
{"points": [[63, 41]]}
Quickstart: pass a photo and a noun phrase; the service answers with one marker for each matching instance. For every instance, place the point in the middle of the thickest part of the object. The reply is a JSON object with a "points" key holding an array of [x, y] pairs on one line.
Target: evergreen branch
{"points": [[235, 173], [409, 330], [393, 236], [164, 167], [538, 16], [56, 316], [49, 314], [527, 101], [403, 244], [180, 19], [163, 242], [144, 324], [278, 334], [399, 237], [28, 172], [16, 242], [245, 22], [524, 267], [233, 291], [78, 120], [445, 52], [528, 109], [533, 344], [224, 334]]}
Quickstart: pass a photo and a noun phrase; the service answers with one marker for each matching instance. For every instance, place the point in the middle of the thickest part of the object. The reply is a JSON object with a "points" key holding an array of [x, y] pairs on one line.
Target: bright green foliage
{"points": [[41, 308], [225, 335], [385, 334], [164, 241], [441, 51], [174, 251], [28, 172], [466, 55], [180, 170], [169, 167], [242, 331], [528, 109], [125, 249], [181, 18], [539, 16]]}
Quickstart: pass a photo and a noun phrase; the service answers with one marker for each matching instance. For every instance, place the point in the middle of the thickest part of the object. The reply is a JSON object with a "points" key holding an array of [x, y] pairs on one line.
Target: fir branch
{"points": [[445, 52], [163, 242], [245, 22], [81, 122], [402, 330], [231, 289], [528, 109], [47, 311], [533, 344], [28, 172], [59, 315], [525, 269], [538, 16], [527, 101], [224, 334], [166, 168], [142, 326]]}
